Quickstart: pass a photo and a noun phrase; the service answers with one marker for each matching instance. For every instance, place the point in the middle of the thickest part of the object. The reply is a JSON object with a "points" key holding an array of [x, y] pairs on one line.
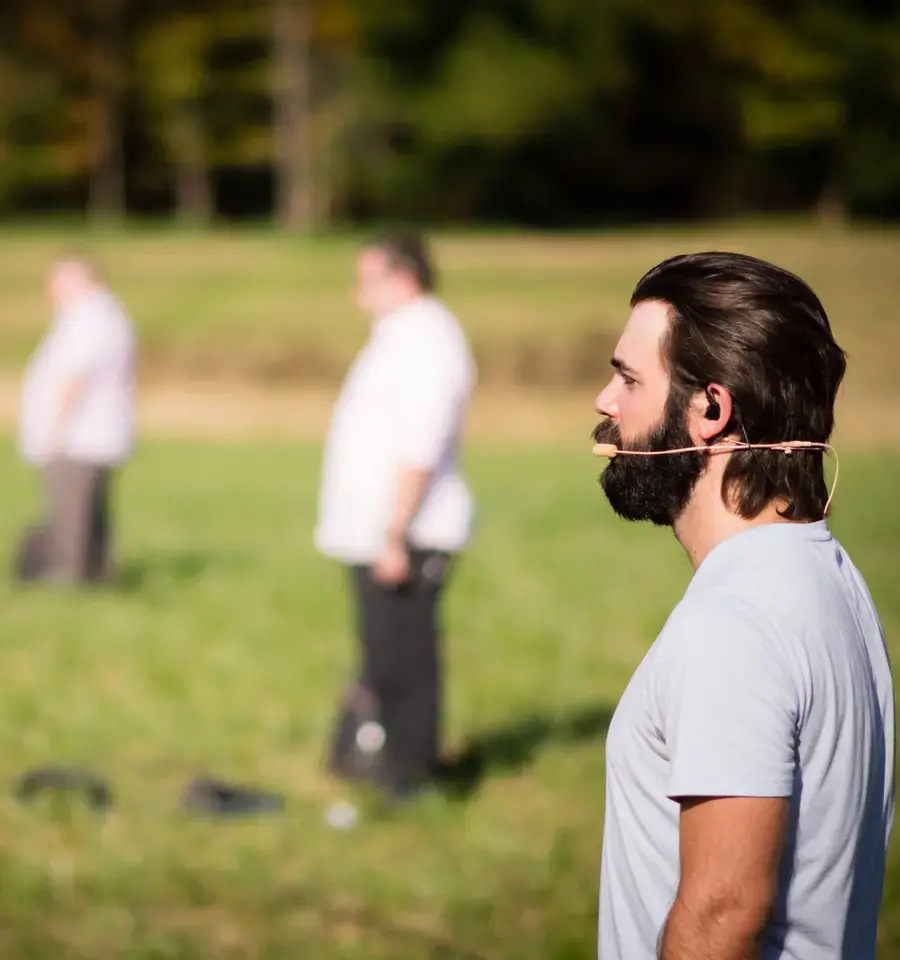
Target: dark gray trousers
{"points": [[399, 680], [78, 522]]}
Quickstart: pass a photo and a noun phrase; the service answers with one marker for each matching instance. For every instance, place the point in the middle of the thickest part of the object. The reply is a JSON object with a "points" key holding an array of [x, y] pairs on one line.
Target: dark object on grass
{"points": [[95, 789], [219, 799], [32, 555]]}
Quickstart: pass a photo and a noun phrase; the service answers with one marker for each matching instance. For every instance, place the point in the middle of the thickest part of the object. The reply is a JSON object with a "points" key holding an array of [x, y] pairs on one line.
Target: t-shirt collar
{"points": [[771, 534]]}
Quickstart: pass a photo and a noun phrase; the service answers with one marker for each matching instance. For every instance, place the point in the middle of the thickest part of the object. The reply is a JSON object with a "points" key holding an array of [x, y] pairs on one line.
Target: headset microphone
{"points": [[788, 447]]}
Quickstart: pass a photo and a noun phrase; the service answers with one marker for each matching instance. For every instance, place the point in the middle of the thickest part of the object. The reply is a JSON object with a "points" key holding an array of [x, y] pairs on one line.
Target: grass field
{"points": [[226, 650], [263, 308], [225, 655]]}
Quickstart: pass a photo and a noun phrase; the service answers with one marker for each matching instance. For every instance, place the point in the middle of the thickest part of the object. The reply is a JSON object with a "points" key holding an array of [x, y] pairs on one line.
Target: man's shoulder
{"points": [[430, 314], [724, 614], [429, 327], [783, 594], [111, 307], [771, 564], [101, 308]]}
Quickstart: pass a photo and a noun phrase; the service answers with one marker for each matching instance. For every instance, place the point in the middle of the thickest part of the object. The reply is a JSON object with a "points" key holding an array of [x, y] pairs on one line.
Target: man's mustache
{"points": [[607, 432]]}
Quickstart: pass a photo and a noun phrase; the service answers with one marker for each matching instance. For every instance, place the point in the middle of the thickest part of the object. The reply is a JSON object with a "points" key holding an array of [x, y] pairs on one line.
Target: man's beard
{"points": [[652, 488]]}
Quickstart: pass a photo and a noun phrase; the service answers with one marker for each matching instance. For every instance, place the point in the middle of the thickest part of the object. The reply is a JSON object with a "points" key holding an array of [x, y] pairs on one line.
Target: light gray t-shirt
{"points": [[770, 679], [92, 340]]}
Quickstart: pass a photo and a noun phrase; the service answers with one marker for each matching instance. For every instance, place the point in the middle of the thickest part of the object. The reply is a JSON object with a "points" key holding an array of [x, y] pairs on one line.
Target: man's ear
{"points": [[711, 411]]}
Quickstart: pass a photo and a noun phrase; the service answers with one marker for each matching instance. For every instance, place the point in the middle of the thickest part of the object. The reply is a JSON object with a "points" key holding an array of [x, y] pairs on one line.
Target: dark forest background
{"points": [[547, 113]]}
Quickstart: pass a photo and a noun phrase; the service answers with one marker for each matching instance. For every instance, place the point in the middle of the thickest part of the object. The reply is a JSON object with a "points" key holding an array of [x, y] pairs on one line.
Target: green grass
{"points": [[226, 654], [228, 649], [540, 309]]}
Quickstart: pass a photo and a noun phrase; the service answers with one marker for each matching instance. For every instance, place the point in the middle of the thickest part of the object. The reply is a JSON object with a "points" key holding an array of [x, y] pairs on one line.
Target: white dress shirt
{"points": [[92, 340], [402, 405]]}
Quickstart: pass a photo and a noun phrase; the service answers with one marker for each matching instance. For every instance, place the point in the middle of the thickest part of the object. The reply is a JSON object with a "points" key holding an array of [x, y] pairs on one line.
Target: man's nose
{"points": [[605, 404]]}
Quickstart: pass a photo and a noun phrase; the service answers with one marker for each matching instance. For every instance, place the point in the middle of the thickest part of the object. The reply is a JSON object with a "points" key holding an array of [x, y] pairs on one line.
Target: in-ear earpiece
{"points": [[713, 410]]}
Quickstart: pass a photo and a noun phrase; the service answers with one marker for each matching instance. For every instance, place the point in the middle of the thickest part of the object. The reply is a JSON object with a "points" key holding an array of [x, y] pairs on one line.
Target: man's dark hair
{"points": [[761, 333], [406, 250]]}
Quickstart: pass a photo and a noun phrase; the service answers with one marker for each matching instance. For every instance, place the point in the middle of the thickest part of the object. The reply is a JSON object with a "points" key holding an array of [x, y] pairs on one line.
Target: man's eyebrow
{"points": [[623, 367]]}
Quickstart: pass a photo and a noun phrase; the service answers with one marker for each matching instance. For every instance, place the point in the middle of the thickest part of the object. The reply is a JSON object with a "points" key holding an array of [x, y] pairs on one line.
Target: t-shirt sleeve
{"points": [[430, 397], [730, 705], [84, 344]]}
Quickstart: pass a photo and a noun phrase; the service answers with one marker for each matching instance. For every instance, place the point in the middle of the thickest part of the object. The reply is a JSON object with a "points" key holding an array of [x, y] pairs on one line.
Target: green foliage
{"points": [[493, 87], [548, 110]]}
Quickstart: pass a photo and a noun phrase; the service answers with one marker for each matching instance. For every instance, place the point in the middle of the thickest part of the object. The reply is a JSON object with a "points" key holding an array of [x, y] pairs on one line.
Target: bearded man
{"points": [[750, 761]]}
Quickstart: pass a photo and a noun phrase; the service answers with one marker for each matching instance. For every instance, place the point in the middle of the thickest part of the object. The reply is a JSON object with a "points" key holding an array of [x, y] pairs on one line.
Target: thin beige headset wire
{"points": [[728, 446]]}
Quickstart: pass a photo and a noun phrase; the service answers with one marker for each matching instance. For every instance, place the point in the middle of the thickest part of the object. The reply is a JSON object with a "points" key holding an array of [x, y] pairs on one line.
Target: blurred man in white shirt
{"points": [[77, 418], [394, 508]]}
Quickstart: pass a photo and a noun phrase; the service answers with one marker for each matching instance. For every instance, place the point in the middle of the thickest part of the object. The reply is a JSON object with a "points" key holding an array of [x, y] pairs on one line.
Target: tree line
{"points": [[539, 112]]}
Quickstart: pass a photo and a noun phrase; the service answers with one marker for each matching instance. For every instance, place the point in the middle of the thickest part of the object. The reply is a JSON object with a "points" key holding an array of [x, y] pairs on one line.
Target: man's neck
{"points": [[399, 305], [707, 521], [76, 297]]}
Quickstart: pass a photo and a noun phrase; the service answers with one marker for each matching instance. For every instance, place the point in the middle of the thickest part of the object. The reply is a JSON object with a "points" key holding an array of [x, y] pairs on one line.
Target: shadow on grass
{"points": [[178, 567], [513, 746]]}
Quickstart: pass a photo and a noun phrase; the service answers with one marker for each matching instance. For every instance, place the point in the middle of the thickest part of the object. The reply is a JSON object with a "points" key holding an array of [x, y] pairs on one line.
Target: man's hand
{"points": [[392, 567], [731, 849]]}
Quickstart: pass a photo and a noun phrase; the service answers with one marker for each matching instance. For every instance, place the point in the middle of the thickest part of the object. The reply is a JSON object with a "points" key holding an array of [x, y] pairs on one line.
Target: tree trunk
{"points": [[831, 206], [107, 174], [292, 61], [193, 194], [831, 211]]}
